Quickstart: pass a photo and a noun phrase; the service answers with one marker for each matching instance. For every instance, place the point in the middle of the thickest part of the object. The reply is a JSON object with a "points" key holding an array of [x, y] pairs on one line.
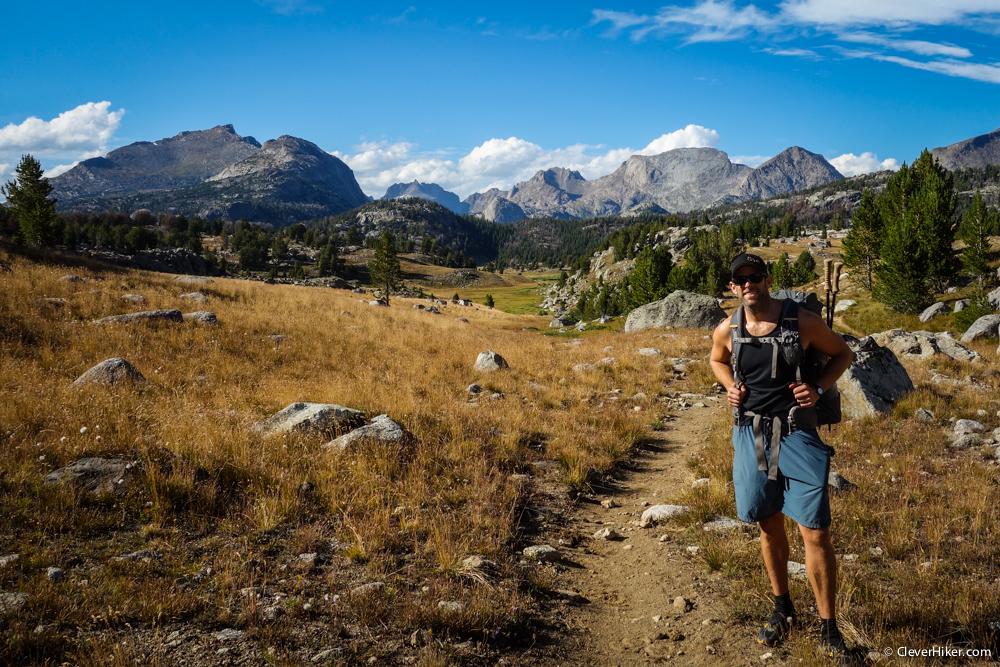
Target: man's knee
{"points": [[773, 525], [815, 537]]}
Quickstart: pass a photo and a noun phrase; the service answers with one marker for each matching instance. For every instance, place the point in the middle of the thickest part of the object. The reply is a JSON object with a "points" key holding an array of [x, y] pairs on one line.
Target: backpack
{"points": [[808, 364]]}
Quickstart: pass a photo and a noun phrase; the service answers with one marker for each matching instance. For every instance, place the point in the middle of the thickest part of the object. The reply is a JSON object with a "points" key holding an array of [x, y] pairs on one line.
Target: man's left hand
{"points": [[805, 394]]}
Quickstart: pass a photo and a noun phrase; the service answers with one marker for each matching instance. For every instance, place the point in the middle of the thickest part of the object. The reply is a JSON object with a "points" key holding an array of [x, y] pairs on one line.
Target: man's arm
{"points": [[815, 334], [722, 354]]}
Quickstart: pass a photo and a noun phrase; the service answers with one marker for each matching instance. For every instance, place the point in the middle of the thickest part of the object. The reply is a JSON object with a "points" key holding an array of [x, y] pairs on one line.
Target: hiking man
{"points": [[780, 465]]}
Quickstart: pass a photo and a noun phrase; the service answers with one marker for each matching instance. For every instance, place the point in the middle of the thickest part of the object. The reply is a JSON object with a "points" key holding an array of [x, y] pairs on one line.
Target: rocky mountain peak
{"points": [[980, 151], [430, 191]]}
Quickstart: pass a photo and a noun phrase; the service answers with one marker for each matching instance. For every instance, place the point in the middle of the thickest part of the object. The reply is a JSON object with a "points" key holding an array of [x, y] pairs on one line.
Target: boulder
{"points": [[379, 303], [680, 309], [725, 524], [134, 298], [92, 474], [924, 415], [985, 327], [963, 426], [838, 482], [608, 534], [961, 304], [924, 345], [844, 305], [584, 368], [648, 352], [931, 312], [660, 513], [994, 296], [200, 317], [110, 372], [874, 381], [170, 315], [490, 361], [323, 419], [193, 279], [382, 430], [543, 553], [194, 297]]}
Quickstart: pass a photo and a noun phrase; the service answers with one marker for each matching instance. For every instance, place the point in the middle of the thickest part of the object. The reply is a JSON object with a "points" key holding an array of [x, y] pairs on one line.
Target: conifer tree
{"points": [[28, 201], [978, 225], [648, 280], [903, 274], [861, 246], [386, 273], [781, 272]]}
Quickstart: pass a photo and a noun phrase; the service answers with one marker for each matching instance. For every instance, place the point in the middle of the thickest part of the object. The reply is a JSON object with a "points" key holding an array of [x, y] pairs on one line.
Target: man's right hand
{"points": [[737, 394]]}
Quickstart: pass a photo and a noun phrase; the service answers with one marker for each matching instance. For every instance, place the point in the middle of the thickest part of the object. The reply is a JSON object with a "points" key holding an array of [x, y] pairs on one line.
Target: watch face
{"points": [[819, 390]]}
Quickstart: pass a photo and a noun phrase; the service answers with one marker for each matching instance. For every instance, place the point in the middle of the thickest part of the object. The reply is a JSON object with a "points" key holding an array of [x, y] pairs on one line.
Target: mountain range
{"points": [[218, 173]]}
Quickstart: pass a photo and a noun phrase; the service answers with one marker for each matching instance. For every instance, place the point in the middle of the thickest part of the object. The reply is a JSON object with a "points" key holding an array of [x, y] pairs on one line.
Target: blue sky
{"points": [[477, 96]]}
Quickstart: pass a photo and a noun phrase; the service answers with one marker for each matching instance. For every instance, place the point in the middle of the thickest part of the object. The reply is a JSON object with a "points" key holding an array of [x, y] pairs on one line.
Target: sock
{"points": [[830, 633], [783, 605]]}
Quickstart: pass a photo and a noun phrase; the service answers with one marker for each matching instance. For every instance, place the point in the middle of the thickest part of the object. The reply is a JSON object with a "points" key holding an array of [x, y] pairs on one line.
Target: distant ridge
{"points": [[429, 191], [980, 151]]}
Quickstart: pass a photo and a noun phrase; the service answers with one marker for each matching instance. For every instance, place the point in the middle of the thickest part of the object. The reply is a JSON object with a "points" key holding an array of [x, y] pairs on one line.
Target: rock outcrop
{"points": [[110, 372], [978, 151], [987, 326], [201, 317], [324, 419], [167, 315], [93, 474], [924, 345], [680, 309], [874, 381]]}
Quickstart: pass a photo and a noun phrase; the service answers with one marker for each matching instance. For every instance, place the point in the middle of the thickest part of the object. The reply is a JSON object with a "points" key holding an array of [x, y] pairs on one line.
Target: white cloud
{"points": [[843, 20], [850, 164], [750, 160], [74, 135], [499, 162]]}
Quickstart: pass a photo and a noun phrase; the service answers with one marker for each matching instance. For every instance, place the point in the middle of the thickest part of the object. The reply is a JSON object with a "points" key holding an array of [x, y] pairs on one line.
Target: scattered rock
{"points": [[193, 279], [838, 482], [682, 604], [71, 279], [110, 372], [53, 303], [648, 352], [968, 426], [8, 559], [143, 555], [194, 297], [461, 319], [227, 634], [366, 589], [607, 361], [931, 312], [201, 317], [797, 570], [698, 483], [490, 361], [661, 513], [543, 553], [985, 327], [451, 606], [961, 304], [168, 315], [967, 440], [874, 381], [12, 602], [584, 368], [134, 298], [474, 389], [842, 306], [54, 574], [609, 503], [876, 551], [993, 298], [310, 418], [924, 345], [607, 534], [724, 524], [572, 597], [92, 474], [924, 415], [381, 429], [680, 309]]}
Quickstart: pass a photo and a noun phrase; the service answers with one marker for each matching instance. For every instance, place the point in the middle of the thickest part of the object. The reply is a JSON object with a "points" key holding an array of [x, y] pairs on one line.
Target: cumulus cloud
{"points": [[73, 135], [850, 164], [887, 24], [499, 163]]}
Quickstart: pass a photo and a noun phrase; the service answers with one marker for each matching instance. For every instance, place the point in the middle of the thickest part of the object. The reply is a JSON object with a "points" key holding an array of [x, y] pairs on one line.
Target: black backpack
{"points": [[808, 364]]}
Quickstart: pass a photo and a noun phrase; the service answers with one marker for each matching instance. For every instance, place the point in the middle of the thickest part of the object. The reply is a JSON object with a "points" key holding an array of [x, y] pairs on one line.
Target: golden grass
{"points": [[408, 521], [931, 509]]}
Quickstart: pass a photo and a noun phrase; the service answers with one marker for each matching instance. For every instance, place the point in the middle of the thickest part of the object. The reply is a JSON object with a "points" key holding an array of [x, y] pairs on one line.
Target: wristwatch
{"points": [[819, 390]]}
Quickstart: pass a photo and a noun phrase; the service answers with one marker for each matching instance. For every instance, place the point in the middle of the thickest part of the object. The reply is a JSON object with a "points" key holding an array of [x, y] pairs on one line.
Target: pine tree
{"points": [[329, 259], [386, 273], [489, 301], [802, 269], [781, 272], [863, 242], [648, 280], [28, 201], [977, 226]]}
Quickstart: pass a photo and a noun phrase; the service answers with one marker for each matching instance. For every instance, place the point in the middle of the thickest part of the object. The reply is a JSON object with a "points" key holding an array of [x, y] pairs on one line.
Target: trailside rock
{"points": [[985, 327], [490, 361], [201, 317], [92, 474], [110, 372], [381, 429], [660, 513], [543, 553], [680, 309], [931, 312], [310, 418], [169, 315], [873, 382], [924, 344]]}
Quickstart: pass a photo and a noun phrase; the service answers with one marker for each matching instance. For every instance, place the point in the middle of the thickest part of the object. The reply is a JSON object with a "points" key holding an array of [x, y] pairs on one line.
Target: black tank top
{"points": [[766, 396]]}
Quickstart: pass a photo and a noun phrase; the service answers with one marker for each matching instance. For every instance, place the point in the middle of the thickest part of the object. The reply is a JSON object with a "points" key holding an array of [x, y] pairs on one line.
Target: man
{"points": [[778, 469]]}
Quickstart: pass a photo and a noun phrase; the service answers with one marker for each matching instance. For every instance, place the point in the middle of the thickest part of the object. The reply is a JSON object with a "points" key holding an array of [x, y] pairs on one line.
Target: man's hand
{"points": [[736, 395], [805, 394]]}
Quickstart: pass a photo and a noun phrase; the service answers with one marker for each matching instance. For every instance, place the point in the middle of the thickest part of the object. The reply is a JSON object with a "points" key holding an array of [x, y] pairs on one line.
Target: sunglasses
{"points": [[752, 278]]}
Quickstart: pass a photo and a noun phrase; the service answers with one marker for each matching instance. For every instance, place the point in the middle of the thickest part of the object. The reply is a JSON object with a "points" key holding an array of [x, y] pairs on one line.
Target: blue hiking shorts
{"points": [[800, 492]]}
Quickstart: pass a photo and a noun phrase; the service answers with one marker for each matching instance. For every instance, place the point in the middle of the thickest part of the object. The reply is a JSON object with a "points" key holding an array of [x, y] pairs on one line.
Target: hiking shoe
{"points": [[838, 652], [776, 629]]}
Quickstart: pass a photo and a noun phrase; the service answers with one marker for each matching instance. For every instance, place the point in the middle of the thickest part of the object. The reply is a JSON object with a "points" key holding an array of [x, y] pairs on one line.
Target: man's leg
{"points": [[774, 547], [821, 566]]}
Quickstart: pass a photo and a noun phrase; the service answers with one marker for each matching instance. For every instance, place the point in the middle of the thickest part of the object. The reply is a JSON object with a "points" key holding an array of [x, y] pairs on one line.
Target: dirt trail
{"points": [[632, 584]]}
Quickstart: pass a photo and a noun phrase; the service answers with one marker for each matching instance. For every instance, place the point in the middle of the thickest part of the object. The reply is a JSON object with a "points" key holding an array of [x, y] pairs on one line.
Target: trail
{"points": [[632, 584]]}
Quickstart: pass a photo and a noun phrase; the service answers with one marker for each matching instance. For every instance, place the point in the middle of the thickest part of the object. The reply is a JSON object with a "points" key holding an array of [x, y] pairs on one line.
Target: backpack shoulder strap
{"points": [[735, 336], [790, 336]]}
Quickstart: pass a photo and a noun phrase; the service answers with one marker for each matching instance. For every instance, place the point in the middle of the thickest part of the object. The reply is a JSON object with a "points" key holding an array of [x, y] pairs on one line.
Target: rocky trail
{"points": [[649, 599]]}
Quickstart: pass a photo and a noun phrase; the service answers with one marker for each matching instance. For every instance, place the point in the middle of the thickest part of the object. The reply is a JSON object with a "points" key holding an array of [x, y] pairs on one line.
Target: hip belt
{"points": [[758, 424]]}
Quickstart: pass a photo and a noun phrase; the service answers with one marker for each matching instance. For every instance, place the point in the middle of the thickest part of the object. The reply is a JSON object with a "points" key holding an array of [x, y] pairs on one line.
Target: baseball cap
{"points": [[746, 259]]}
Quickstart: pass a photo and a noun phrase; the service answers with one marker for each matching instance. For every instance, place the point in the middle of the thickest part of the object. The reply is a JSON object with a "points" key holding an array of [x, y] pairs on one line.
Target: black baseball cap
{"points": [[746, 259]]}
